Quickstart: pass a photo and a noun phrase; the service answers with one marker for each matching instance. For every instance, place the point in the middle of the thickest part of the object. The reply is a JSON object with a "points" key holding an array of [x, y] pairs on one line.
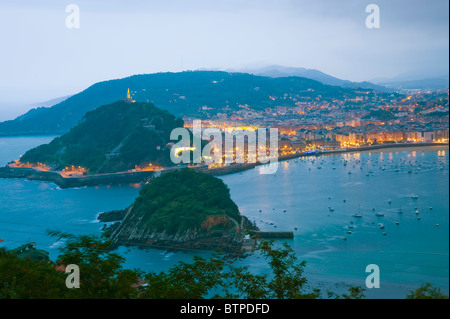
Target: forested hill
{"points": [[112, 138], [183, 209], [182, 94], [183, 200]]}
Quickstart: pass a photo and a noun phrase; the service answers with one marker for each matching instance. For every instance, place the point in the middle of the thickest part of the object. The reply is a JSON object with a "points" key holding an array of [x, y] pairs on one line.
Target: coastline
{"points": [[145, 176]]}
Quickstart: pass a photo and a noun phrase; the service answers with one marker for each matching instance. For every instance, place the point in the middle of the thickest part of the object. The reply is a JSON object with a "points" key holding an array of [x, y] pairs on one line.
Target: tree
{"points": [[354, 292], [426, 291], [186, 280], [101, 271], [286, 280], [26, 278]]}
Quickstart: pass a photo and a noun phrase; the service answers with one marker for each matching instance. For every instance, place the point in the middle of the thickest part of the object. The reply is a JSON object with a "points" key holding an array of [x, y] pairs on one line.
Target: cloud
{"points": [[121, 38]]}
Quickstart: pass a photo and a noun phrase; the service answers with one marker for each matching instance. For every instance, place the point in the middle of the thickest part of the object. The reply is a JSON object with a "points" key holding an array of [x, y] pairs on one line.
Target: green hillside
{"points": [[183, 200], [182, 94], [112, 138]]}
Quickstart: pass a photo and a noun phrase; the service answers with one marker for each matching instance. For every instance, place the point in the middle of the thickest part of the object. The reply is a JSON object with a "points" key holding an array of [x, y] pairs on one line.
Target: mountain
{"points": [[418, 79], [113, 138], [277, 71], [436, 83], [182, 94]]}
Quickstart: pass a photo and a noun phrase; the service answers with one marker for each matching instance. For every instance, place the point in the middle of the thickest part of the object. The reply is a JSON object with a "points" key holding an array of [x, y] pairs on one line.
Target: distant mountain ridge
{"points": [[276, 71], [418, 79], [182, 94]]}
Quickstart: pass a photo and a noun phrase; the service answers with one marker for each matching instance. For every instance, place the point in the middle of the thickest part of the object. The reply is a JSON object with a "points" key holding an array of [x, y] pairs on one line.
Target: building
{"points": [[128, 98]]}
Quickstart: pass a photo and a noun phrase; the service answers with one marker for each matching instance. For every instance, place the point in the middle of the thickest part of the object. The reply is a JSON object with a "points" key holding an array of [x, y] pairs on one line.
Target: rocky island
{"points": [[182, 210]]}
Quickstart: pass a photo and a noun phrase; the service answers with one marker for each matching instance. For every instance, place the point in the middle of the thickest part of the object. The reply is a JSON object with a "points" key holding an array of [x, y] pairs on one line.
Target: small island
{"points": [[182, 210]]}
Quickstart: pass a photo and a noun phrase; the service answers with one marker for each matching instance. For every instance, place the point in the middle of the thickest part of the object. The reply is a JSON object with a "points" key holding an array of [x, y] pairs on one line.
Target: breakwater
{"points": [[76, 181]]}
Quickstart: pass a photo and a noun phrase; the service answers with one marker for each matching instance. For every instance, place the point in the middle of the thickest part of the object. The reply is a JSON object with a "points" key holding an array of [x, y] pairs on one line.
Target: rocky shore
{"points": [[126, 232]]}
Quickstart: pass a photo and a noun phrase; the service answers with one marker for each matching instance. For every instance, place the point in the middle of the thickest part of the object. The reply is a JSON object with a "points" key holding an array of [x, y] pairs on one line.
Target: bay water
{"points": [[316, 197]]}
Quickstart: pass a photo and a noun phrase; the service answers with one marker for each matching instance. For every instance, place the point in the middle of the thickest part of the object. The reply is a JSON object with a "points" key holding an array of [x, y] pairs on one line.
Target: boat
{"points": [[397, 223], [358, 212], [400, 211], [381, 225], [331, 209], [417, 211], [379, 214], [414, 196]]}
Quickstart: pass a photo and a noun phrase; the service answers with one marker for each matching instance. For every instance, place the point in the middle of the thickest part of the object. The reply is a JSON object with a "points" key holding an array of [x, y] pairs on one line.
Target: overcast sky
{"points": [[41, 59]]}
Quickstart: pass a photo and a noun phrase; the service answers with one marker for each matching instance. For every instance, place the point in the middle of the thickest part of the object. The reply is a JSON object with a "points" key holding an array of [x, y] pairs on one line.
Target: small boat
{"points": [[379, 214], [331, 209], [417, 211], [413, 196], [381, 226], [400, 211], [397, 223], [357, 215], [349, 232]]}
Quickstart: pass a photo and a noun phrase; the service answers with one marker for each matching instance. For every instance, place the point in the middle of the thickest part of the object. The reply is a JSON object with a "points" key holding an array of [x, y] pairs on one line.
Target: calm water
{"points": [[299, 196]]}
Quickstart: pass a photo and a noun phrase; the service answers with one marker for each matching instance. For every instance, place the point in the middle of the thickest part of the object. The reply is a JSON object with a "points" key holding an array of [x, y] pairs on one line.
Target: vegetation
{"points": [[382, 115], [182, 94], [183, 200], [102, 276], [426, 291], [25, 278], [112, 138]]}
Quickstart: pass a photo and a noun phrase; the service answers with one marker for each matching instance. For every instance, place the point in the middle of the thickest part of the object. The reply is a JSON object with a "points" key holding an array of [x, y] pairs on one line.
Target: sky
{"points": [[42, 59]]}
